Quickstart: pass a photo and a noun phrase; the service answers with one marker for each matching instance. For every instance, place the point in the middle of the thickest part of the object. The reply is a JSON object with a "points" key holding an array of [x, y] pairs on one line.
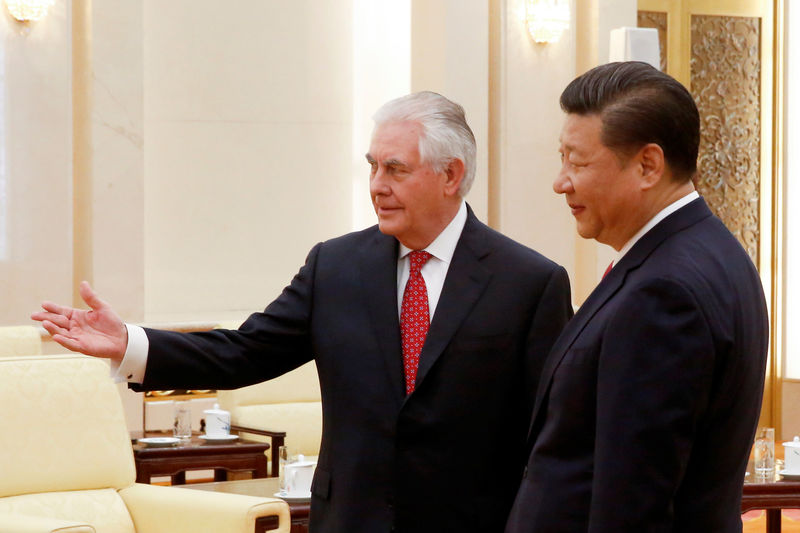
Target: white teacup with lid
{"points": [[298, 478], [791, 457], [218, 422]]}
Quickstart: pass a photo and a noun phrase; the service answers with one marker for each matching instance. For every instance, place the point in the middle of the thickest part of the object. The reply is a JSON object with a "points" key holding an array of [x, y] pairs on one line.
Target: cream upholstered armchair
{"points": [[66, 462], [20, 340], [286, 411]]}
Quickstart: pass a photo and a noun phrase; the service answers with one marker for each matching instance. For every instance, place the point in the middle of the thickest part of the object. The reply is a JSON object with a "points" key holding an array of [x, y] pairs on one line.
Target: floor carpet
{"points": [[756, 521]]}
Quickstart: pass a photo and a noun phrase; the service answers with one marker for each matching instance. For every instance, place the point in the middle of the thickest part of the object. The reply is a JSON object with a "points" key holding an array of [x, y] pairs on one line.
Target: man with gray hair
{"points": [[428, 333]]}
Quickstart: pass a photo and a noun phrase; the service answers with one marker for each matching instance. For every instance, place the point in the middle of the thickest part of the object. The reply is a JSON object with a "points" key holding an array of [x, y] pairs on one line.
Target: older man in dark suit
{"points": [[650, 397], [429, 332]]}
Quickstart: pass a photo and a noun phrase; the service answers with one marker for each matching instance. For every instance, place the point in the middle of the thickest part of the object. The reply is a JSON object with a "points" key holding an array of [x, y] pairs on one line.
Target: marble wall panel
{"points": [[248, 128], [35, 162]]}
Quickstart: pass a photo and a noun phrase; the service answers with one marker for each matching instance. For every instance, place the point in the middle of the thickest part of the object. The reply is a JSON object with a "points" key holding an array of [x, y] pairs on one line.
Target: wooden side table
{"points": [[264, 488], [772, 494], [196, 454]]}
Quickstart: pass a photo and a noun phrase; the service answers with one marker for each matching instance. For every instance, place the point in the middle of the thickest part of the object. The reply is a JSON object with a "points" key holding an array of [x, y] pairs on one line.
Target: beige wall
{"points": [[791, 409], [108, 244], [207, 151], [249, 141], [450, 55], [35, 163], [527, 82], [529, 78], [211, 152], [247, 149]]}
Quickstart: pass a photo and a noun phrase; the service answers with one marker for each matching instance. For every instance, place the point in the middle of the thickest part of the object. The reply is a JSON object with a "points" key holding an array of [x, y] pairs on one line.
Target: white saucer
{"points": [[219, 438], [789, 475], [292, 498], [159, 441]]}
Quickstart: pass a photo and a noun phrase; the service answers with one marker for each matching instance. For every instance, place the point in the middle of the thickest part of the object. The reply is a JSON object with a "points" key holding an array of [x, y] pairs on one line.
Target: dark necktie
{"points": [[414, 317]]}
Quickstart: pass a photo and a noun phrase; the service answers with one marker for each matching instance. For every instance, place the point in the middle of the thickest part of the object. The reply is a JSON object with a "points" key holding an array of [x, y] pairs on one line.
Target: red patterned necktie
{"points": [[414, 317]]}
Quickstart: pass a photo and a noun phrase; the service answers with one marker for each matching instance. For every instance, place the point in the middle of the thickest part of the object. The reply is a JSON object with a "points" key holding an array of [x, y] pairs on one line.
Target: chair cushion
{"points": [[299, 385], [63, 426], [103, 509], [20, 340], [302, 422]]}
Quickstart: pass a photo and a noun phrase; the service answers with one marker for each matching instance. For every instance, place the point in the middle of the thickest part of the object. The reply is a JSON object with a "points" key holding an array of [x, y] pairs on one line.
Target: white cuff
{"points": [[133, 365]]}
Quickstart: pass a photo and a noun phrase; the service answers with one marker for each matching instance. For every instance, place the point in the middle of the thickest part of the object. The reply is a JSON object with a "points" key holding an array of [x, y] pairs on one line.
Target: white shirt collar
{"points": [[661, 215], [444, 246]]}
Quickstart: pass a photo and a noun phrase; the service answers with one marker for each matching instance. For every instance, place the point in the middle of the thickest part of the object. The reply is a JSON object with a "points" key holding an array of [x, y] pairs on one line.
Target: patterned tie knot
{"points": [[418, 258]]}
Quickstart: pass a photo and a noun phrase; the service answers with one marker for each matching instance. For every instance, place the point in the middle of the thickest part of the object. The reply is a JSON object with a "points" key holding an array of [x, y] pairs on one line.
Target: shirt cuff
{"points": [[133, 365]]}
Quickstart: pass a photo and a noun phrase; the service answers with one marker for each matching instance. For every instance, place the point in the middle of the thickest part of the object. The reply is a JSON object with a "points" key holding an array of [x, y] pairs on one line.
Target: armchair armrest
{"points": [[277, 439], [157, 509], [21, 523]]}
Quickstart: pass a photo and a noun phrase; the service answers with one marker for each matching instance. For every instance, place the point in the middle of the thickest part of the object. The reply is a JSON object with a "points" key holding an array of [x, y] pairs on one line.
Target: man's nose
{"points": [[378, 183], [562, 183]]}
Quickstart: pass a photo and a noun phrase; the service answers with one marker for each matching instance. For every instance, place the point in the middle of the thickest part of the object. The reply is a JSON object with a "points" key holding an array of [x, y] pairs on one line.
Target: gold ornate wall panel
{"points": [[657, 20], [726, 84]]}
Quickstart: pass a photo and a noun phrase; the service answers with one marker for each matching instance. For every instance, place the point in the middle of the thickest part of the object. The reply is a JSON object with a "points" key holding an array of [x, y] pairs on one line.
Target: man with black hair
{"points": [[650, 397]]}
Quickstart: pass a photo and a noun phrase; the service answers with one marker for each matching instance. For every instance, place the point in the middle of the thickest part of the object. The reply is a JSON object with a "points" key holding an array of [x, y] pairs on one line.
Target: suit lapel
{"points": [[465, 282], [610, 285], [378, 272]]}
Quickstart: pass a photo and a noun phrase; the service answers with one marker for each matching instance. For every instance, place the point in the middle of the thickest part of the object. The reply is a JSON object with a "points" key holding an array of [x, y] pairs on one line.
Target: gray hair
{"points": [[445, 132]]}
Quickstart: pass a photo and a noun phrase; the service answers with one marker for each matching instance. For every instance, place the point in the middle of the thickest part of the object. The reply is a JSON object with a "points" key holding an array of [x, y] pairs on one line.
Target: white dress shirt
{"points": [[433, 272], [661, 215]]}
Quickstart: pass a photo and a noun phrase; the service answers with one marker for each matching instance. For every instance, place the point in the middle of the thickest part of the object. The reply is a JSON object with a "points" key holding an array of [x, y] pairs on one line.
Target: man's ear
{"points": [[454, 173], [652, 164]]}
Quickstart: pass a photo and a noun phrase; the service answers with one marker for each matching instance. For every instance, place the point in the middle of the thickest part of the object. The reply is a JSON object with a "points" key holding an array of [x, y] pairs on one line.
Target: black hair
{"points": [[638, 105]]}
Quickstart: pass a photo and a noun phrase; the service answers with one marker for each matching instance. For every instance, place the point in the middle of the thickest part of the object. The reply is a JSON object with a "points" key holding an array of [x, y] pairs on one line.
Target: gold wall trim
{"points": [[82, 72]]}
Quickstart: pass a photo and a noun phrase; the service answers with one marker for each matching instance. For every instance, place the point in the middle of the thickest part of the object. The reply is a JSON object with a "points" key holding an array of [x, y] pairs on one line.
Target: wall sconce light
{"points": [[546, 19], [28, 10]]}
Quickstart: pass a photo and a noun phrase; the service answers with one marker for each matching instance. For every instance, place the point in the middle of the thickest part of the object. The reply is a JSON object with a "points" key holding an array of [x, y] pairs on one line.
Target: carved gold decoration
{"points": [[726, 82], [657, 20]]}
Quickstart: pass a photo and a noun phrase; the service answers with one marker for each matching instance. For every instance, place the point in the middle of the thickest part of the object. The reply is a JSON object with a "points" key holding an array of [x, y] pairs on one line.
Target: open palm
{"points": [[99, 332]]}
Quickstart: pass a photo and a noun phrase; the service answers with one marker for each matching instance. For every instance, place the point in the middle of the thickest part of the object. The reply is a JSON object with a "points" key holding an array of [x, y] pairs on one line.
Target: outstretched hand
{"points": [[99, 332]]}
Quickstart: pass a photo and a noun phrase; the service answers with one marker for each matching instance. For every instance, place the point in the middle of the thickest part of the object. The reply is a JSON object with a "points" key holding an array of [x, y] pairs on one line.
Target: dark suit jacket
{"points": [[650, 398], [450, 456]]}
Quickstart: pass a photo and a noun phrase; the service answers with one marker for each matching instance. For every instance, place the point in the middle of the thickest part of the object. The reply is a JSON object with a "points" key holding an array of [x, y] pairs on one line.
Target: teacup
{"points": [[298, 477], [792, 456], [218, 422]]}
